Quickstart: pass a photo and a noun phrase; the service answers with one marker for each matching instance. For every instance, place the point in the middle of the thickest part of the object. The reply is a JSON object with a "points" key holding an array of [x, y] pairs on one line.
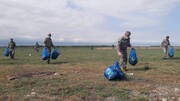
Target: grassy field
{"points": [[77, 75]]}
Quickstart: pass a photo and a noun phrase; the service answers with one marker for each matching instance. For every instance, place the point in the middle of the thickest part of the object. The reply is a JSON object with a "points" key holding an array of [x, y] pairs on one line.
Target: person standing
{"points": [[112, 46], [92, 47], [37, 47], [123, 43], [48, 44], [164, 44], [11, 48]]}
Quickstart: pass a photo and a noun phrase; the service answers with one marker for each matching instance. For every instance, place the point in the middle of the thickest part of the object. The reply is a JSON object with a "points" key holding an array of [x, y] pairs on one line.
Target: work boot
{"points": [[125, 68], [48, 62], [163, 58]]}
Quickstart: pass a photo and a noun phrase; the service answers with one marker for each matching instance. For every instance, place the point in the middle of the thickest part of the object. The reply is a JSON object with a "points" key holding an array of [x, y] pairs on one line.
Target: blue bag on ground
{"points": [[133, 60], [114, 72], [45, 54], [6, 52], [171, 52], [55, 53]]}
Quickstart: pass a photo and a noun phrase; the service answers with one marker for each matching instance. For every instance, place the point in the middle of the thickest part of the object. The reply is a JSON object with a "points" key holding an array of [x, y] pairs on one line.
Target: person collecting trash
{"points": [[48, 44], [164, 44], [11, 48], [123, 43], [36, 47]]}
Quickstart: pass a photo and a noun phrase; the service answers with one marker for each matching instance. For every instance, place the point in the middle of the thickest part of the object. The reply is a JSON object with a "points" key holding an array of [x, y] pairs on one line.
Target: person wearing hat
{"points": [[123, 43], [48, 44], [164, 44], [11, 48]]}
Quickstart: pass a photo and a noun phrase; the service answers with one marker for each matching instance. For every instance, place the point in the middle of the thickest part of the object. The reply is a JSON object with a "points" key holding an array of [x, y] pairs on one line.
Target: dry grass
{"points": [[81, 77]]}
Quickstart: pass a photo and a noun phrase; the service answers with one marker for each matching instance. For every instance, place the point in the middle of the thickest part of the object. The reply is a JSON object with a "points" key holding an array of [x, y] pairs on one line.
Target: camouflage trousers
{"points": [[165, 50], [49, 51], [123, 58], [12, 53]]}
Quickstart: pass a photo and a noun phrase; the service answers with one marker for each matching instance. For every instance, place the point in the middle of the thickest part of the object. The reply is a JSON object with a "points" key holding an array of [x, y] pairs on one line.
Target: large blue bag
{"points": [[171, 52], [6, 52], [114, 72], [55, 53], [45, 54], [133, 60]]}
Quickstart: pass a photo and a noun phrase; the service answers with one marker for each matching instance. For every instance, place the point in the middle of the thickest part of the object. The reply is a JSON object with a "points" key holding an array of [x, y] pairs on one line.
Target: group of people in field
{"points": [[47, 41], [122, 44]]}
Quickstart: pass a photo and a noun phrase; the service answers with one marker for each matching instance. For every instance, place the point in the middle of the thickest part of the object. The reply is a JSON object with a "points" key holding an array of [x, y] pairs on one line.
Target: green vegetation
{"points": [[80, 75]]}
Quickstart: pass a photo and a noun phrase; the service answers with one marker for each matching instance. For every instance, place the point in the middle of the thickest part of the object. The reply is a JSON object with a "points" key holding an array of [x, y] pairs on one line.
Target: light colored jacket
{"points": [[165, 43]]}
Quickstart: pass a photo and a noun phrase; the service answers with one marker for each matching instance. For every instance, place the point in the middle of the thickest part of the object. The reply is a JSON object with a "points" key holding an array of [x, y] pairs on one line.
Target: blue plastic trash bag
{"points": [[133, 60], [6, 52], [114, 72], [171, 52], [55, 53], [45, 54]]}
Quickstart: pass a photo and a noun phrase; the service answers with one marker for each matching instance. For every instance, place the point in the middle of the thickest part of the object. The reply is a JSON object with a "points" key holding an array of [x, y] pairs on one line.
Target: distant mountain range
{"points": [[31, 43]]}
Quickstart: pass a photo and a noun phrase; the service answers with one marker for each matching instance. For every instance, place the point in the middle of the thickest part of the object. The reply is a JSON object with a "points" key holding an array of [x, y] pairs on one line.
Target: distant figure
{"points": [[122, 45], [165, 43], [92, 47], [11, 48], [48, 44], [113, 46], [37, 47]]}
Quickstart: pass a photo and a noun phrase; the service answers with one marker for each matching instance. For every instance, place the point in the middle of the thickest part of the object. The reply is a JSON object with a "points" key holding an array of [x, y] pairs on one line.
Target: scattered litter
{"points": [[30, 55], [130, 74], [28, 95], [164, 99], [56, 74], [33, 93], [10, 78]]}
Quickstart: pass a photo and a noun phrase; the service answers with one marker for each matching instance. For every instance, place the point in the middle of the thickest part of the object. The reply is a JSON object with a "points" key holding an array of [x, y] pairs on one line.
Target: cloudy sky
{"points": [[90, 21]]}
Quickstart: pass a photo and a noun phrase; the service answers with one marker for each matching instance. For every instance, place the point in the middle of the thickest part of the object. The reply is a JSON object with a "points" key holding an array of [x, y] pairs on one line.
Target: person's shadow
{"points": [[61, 62], [173, 59]]}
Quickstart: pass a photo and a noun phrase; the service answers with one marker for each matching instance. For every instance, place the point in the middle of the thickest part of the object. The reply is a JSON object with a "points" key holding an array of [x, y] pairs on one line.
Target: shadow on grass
{"points": [[145, 68], [120, 80], [61, 62], [173, 59]]}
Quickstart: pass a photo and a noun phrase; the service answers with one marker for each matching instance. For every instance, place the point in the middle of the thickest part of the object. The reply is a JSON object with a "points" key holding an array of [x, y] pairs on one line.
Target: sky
{"points": [[89, 21]]}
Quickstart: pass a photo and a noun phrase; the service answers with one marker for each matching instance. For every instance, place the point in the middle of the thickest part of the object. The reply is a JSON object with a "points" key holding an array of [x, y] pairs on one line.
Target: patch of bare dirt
{"points": [[32, 75], [38, 74]]}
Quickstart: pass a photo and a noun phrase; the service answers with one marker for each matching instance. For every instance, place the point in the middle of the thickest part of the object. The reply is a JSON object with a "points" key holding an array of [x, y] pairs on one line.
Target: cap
{"points": [[128, 32], [49, 34], [167, 36]]}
